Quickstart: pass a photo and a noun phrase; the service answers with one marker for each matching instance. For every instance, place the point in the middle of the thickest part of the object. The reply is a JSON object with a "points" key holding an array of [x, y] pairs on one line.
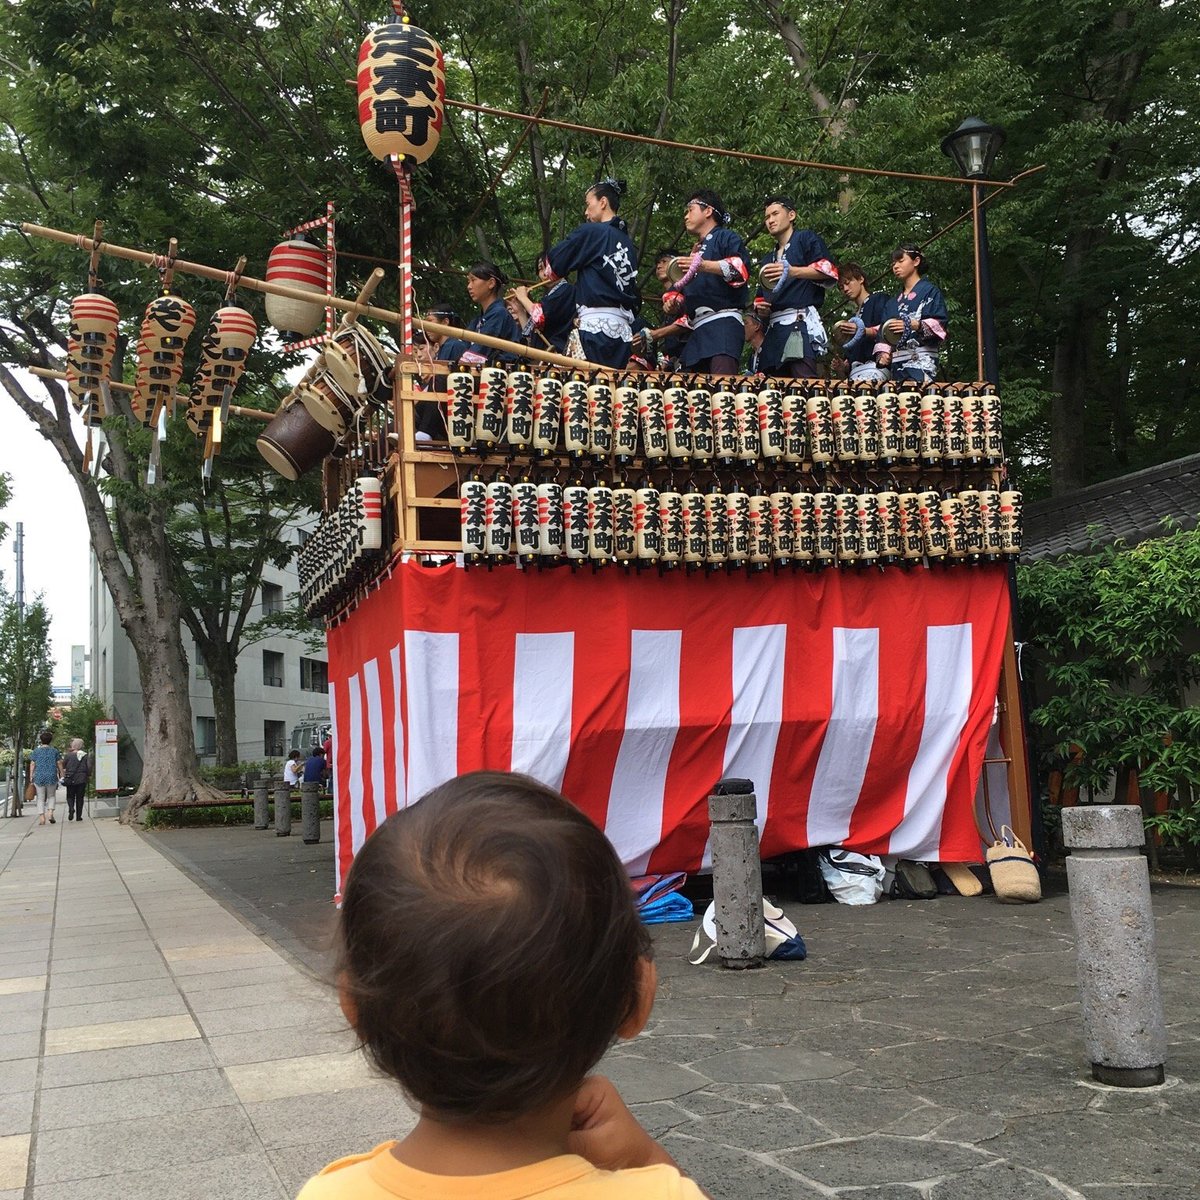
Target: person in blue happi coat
{"points": [[602, 256], [547, 321], [712, 292], [921, 321], [864, 347], [485, 285], [793, 279]]}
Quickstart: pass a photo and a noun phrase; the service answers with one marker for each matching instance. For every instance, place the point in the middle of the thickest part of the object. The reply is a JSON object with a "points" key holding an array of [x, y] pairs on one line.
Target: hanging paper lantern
{"points": [[298, 264], [401, 92], [90, 347], [167, 323], [231, 333]]}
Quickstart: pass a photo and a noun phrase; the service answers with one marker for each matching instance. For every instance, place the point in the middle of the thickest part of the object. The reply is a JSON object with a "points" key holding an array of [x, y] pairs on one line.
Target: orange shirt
{"points": [[379, 1175]]}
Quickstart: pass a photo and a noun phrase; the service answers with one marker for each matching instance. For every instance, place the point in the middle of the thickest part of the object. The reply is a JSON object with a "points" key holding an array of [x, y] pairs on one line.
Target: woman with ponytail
{"points": [[602, 255]]}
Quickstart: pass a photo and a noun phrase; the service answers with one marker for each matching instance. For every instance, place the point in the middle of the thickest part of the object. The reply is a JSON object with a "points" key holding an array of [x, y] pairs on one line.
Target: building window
{"points": [[274, 738], [272, 598], [272, 668], [201, 669], [314, 675], [206, 735], [302, 536]]}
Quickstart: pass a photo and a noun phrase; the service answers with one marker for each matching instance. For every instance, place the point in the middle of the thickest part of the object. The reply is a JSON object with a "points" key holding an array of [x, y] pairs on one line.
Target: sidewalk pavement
{"points": [[160, 1043]]}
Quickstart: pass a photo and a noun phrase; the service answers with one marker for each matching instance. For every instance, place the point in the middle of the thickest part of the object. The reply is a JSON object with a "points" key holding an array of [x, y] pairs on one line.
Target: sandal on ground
{"points": [[51, 818]]}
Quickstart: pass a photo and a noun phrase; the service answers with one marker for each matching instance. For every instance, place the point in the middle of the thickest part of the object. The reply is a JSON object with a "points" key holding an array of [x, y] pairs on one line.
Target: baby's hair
{"points": [[490, 946]]}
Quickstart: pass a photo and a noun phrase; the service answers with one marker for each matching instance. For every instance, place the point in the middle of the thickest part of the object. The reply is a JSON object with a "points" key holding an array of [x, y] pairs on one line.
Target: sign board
{"points": [[106, 756], [78, 657]]}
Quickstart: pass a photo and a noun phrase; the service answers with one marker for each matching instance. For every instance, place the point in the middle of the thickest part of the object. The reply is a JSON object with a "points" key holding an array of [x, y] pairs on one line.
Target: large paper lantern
{"points": [[298, 264], [401, 91]]}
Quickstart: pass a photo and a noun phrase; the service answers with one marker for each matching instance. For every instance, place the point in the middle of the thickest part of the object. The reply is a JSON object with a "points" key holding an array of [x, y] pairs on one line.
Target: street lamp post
{"points": [[973, 147]]}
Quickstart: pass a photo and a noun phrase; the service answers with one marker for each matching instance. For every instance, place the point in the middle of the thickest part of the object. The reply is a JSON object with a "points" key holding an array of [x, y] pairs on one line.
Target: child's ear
{"points": [[346, 1000], [647, 985]]}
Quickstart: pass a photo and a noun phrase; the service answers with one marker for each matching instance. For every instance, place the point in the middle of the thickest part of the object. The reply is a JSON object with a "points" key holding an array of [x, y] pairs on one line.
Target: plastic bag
{"points": [[852, 878], [781, 936]]}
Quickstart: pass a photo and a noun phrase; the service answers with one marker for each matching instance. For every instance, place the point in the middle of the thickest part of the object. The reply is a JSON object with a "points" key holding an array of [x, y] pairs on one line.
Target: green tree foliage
{"points": [[1113, 636], [25, 662], [79, 720]]}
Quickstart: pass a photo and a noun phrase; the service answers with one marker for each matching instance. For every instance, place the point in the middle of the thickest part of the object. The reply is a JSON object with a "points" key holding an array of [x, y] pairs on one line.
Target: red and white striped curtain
{"points": [[858, 703]]}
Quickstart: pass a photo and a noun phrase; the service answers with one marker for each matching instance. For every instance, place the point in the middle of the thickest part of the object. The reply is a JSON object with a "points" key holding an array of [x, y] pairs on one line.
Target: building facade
{"points": [[281, 684]]}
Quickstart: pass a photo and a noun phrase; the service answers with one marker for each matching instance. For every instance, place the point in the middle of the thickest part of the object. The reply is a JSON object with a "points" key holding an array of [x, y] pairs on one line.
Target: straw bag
{"points": [[1014, 876]]}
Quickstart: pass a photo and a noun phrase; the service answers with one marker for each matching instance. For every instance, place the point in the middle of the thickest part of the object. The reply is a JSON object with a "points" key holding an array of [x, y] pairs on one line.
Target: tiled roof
{"points": [[1130, 507]]}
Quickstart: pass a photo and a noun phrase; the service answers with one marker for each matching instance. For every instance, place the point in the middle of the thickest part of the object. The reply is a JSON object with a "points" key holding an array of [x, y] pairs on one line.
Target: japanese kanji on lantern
{"points": [[401, 92]]}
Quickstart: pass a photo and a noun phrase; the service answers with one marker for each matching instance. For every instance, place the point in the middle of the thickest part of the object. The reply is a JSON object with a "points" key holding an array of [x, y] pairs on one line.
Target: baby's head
{"points": [[490, 948]]}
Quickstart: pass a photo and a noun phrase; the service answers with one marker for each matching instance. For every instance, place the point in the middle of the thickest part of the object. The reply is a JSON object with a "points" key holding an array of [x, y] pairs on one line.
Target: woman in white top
{"points": [[293, 769]]}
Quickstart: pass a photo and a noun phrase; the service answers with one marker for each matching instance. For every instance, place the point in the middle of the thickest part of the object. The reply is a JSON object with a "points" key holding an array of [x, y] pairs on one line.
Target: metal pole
{"points": [[18, 794], [989, 365]]}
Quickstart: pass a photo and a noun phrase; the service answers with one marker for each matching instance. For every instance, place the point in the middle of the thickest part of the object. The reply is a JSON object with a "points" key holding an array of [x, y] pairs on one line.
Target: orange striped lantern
{"points": [[167, 323], [298, 264], [91, 343], [401, 92], [223, 352]]}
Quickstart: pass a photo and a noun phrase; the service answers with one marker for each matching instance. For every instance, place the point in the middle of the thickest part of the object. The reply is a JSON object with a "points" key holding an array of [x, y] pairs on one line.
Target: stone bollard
{"points": [[737, 875], [262, 804], [310, 812], [1123, 1024], [283, 809]]}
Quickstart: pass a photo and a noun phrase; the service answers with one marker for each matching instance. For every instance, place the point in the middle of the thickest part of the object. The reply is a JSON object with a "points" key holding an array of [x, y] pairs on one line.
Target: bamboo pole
{"points": [[84, 242], [237, 410], [746, 155]]}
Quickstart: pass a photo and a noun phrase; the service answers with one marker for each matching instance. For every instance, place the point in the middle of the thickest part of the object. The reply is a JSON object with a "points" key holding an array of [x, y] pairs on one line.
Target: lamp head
{"points": [[973, 146]]}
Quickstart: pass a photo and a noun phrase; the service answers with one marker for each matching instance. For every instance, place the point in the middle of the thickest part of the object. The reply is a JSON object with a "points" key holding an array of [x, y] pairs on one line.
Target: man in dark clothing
{"points": [[315, 766]]}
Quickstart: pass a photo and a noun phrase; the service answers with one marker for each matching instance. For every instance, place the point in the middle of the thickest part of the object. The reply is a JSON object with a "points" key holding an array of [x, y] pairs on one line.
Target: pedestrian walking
{"points": [[45, 773], [77, 768]]}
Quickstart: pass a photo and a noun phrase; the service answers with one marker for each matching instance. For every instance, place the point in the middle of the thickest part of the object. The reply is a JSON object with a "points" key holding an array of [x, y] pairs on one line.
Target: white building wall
{"points": [[114, 677]]}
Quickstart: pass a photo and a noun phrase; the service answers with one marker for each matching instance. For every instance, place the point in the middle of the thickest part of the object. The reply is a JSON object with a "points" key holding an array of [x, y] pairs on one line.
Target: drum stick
{"points": [[237, 410], [386, 315]]}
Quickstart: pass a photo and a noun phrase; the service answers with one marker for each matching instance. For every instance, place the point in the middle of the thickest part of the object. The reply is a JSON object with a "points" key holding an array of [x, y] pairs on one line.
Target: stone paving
{"points": [[167, 1034]]}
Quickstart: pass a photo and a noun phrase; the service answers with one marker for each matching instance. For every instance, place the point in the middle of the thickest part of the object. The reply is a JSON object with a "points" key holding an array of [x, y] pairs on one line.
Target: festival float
{"points": [[625, 583]]}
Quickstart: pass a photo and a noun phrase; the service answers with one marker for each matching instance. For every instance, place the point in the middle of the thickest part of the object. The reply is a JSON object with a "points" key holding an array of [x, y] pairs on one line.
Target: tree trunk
{"points": [[1072, 365], [153, 621], [222, 674], [137, 572]]}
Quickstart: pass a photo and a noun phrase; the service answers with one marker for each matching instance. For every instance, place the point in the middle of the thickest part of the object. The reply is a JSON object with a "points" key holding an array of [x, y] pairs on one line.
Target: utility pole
{"points": [[18, 773]]}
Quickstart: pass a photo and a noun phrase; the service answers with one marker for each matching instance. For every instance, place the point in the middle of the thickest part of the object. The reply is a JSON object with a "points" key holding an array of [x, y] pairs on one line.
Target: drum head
{"points": [[293, 443], [327, 404], [358, 363]]}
